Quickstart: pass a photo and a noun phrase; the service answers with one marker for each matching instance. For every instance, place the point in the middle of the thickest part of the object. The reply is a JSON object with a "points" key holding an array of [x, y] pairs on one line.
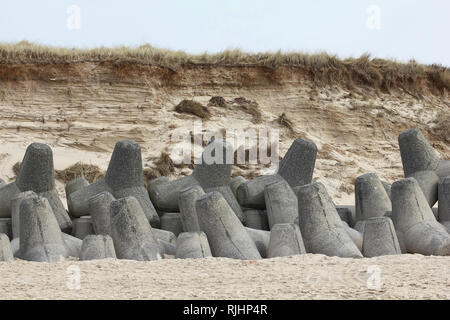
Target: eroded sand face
{"points": [[82, 112], [297, 277]]}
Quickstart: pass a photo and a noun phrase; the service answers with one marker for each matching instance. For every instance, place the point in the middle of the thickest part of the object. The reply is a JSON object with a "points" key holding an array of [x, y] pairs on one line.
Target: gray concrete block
{"points": [[6, 193], [16, 200], [15, 247], [61, 215], [82, 227], [99, 208], [6, 253], [141, 194], [78, 201], [261, 239], [2, 183], [165, 235], [413, 217], [73, 245], [186, 202], [231, 199], [355, 235], [216, 164], [131, 232], [256, 219], [235, 183], [387, 188], [251, 193], [171, 221], [167, 248], [41, 238], [192, 245], [281, 203], [347, 213], [75, 184], [124, 178], [443, 169], [285, 240], [321, 227], [6, 226], [164, 194], [298, 163], [371, 199], [444, 200], [97, 247], [416, 152], [380, 237], [226, 234], [428, 183]]}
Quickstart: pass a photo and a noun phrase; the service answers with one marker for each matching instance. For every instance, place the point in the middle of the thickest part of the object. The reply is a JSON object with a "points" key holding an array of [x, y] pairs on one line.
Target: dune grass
{"points": [[320, 67]]}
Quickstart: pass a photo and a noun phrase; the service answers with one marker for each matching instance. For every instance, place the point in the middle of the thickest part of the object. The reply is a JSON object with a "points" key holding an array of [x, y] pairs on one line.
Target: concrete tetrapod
{"points": [[226, 234], [131, 232], [371, 199], [41, 238], [171, 221], [428, 182], [415, 221], [444, 202], [100, 209], [97, 247], [321, 227], [188, 215], [16, 200], [82, 227], [285, 240], [296, 168], [6, 253], [192, 245], [256, 219], [418, 155], [281, 203], [124, 178], [36, 174], [261, 239], [379, 237], [212, 174], [75, 184]]}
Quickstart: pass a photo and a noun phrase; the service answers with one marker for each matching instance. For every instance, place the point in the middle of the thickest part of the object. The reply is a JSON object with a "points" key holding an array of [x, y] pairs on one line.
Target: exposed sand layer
{"points": [[82, 109], [297, 277]]}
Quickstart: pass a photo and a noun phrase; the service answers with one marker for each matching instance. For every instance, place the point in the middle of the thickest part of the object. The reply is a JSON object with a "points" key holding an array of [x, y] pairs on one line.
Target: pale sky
{"points": [[400, 29]]}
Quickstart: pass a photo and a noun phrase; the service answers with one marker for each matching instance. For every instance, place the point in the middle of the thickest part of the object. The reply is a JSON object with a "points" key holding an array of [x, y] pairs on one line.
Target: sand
{"points": [[85, 108], [298, 277]]}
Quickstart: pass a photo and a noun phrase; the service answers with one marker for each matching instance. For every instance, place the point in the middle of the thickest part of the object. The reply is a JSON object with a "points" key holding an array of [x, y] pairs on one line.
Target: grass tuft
{"points": [[322, 68], [194, 108]]}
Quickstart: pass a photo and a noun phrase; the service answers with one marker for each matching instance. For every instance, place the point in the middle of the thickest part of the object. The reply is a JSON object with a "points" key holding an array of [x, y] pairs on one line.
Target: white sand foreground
{"points": [[298, 277]]}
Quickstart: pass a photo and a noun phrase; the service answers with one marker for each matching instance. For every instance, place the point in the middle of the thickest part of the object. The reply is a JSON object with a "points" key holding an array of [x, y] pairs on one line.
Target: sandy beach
{"points": [[296, 277]]}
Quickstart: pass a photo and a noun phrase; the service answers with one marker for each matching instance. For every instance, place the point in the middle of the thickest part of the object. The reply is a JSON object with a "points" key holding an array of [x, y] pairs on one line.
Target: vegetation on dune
{"points": [[322, 68], [89, 172], [193, 107]]}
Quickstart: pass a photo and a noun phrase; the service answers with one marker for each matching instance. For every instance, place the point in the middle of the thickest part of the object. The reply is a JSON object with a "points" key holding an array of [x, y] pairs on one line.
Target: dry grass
{"points": [[194, 108], [217, 101], [16, 167], [323, 68], [284, 121], [164, 166], [442, 126], [90, 172], [248, 106], [239, 104]]}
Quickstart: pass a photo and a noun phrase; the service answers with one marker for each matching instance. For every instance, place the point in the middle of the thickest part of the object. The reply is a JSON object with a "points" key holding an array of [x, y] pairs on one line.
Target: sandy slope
{"points": [[81, 110], [298, 277]]}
